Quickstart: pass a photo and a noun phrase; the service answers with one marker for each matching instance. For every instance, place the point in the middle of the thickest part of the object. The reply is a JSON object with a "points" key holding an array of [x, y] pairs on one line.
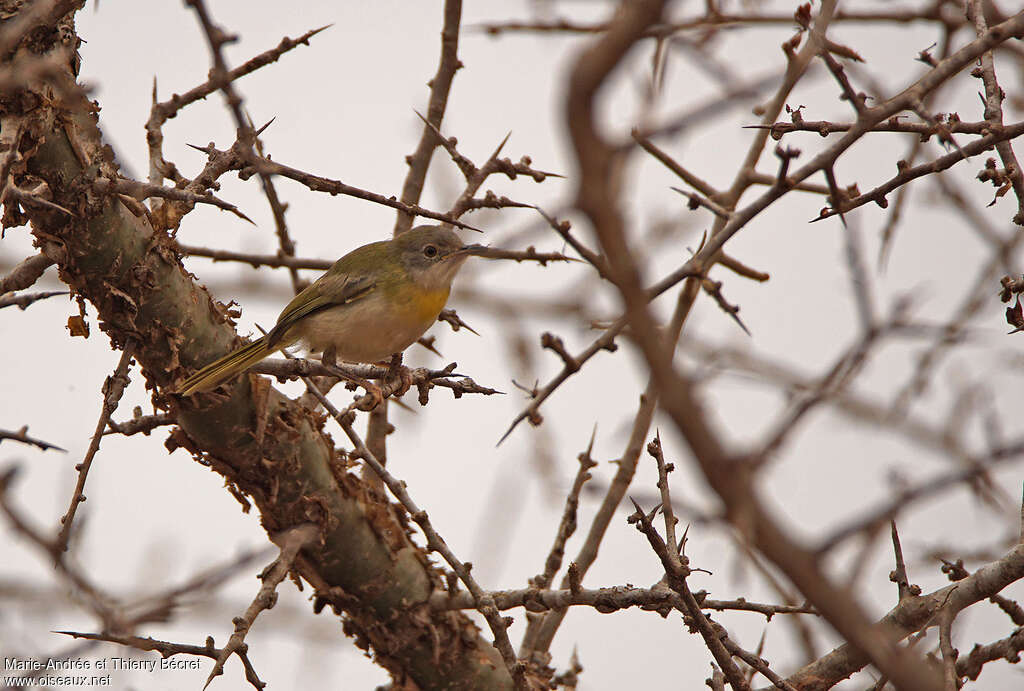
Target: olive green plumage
{"points": [[373, 302]]}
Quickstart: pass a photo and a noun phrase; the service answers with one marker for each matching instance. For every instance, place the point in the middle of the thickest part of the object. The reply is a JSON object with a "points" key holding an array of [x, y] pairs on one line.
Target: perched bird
{"points": [[371, 304]]}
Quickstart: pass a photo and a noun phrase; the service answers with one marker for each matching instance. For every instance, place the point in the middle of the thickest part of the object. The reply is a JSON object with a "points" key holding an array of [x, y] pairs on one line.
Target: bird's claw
{"points": [[376, 397], [396, 373], [402, 373]]}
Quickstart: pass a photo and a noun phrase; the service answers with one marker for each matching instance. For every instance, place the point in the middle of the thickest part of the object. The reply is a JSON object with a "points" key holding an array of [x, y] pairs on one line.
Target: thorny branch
{"points": [[440, 87], [168, 649], [657, 599], [113, 388], [676, 571], [484, 603], [162, 111], [25, 274], [292, 262], [994, 114], [22, 436], [290, 542]]}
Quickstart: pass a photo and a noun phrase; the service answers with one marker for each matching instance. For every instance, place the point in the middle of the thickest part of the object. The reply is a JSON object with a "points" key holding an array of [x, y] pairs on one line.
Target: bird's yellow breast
{"points": [[424, 305]]}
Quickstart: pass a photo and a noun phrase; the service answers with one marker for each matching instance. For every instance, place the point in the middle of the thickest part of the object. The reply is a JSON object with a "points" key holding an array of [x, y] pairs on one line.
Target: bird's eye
{"points": [[430, 251]]}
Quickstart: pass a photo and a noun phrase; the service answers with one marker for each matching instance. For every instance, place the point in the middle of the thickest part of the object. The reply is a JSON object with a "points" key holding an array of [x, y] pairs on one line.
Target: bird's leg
{"points": [[329, 358], [395, 369]]}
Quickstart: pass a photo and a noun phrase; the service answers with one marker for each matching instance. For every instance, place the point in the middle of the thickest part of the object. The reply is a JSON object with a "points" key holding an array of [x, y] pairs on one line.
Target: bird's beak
{"points": [[467, 251]]}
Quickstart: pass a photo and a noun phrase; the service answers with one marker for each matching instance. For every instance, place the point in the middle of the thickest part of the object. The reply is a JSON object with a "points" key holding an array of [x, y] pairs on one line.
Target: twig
{"points": [[23, 300], [718, 19], [290, 542], [277, 210], [654, 450], [35, 197], [158, 606], [532, 412], [605, 600], [994, 110], [855, 99], [697, 201], [142, 191], [949, 653], [143, 424], [908, 174], [26, 273], [220, 76], [113, 388], [273, 261], [529, 254], [791, 382], [686, 176], [676, 573], [899, 575], [440, 86], [762, 179], [567, 525], [925, 130], [484, 603], [714, 289], [973, 301], [163, 111], [333, 187], [917, 614], [860, 284], [829, 385], [450, 317], [450, 144], [22, 436], [905, 497], [741, 269], [563, 229], [167, 649], [1003, 649], [714, 107], [93, 597], [292, 367], [755, 661], [539, 635], [495, 165]]}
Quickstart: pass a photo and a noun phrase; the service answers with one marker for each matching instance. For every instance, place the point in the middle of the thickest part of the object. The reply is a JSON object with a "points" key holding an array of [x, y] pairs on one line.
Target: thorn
{"points": [[269, 122], [242, 216], [833, 186], [502, 145], [427, 123], [511, 427]]}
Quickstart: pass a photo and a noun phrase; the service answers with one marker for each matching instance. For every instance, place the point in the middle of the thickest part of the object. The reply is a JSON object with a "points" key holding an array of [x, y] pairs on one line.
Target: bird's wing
{"points": [[328, 291]]}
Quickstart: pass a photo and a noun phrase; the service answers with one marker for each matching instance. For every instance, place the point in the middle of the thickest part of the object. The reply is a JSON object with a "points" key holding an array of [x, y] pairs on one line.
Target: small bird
{"points": [[371, 304]]}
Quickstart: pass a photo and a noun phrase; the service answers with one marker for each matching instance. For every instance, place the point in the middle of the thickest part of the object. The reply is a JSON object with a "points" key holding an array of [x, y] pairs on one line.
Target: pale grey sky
{"points": [[344, 109]]}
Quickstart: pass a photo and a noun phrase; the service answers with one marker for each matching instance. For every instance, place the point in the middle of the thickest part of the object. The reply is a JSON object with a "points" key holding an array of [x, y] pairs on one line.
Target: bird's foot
{"points": [[402, 373], [373, 397], [376, 395]]}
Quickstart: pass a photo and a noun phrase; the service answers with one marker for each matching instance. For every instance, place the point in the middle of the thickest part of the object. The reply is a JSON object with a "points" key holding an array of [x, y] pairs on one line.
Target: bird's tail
{"points": [[227, 367]]}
